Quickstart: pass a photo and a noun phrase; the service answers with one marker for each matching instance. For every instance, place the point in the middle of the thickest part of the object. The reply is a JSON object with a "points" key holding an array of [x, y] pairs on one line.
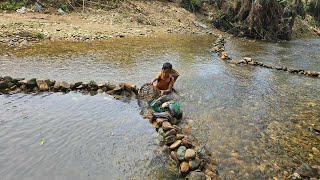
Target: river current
{"points": [[257, 122]]}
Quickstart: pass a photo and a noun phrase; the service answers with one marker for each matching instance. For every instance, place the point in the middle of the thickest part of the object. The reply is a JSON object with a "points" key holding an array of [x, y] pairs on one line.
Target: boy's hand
{"points": [[161, 92]]}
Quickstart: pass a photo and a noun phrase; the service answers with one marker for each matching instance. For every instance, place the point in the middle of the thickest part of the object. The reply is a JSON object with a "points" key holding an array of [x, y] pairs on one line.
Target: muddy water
{"points": [[258, 122]]}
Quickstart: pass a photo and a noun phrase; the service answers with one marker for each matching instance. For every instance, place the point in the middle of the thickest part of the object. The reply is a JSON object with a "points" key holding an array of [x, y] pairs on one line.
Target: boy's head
{"points": [[167, 66]]}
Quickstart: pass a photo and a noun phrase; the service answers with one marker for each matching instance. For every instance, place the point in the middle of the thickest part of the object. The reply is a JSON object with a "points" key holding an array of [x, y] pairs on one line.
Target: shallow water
{"points": [[255, 120]]}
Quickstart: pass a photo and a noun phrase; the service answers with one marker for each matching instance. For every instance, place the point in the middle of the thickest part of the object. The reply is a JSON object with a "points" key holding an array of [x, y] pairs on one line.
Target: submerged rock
{"points": [[305, 170], [197, 175], [181, 152]]}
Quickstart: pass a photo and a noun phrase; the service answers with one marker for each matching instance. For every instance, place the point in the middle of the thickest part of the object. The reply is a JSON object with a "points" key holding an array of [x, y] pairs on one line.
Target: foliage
{"points": [[261, 19], [39, 35], [193, 5], [11, 5], [313, 8]]}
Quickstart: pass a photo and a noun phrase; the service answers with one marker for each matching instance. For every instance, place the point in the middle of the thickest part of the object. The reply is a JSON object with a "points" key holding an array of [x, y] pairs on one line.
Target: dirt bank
{"points": [[130, 19]]}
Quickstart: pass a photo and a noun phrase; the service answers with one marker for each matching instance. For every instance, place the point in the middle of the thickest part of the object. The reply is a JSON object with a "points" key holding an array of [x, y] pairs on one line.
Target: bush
{"points": [[11, 5], [193, 5], [313, 8]]}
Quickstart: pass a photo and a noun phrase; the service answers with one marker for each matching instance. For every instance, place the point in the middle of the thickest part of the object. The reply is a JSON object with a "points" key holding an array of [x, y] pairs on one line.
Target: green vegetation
{"points": [[39, 35], [193, 5], [11, 5]]}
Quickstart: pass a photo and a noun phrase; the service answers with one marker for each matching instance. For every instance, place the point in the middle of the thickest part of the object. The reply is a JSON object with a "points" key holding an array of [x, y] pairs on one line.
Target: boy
{"points": [[166, 79]]}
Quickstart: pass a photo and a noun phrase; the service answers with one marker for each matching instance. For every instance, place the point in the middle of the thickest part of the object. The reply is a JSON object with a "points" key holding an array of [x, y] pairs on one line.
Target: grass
{"points": [[10, 6]]}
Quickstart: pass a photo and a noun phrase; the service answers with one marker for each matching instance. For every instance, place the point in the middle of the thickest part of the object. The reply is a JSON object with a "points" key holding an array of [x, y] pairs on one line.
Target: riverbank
{"points": [[130, 19]]}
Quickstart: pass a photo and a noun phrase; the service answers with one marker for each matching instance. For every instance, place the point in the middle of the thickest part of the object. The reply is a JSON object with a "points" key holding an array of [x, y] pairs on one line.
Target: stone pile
{"points": [[9, 85], [194, 162], [218, 48]]}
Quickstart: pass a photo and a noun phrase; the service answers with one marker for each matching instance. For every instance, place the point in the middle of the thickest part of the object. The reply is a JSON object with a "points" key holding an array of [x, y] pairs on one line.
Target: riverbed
{"points": [[257, 122]]}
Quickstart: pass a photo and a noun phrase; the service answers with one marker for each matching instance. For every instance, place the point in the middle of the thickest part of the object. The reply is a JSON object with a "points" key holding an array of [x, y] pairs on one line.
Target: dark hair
{"points": [[167, 66]]}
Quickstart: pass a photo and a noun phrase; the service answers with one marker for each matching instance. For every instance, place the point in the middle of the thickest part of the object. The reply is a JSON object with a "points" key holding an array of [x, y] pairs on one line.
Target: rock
{"points": [[180, 136], [315, 151], [190, 154], [242, 62], [266, 66], [194, 164], [170, 139], [181, 152], [42, 85], [247, 59], [210, 167], [210, 173], [160, 120], [294, 176], [170, 132], [155, 124], [93, 86], [7, 79], [3, 85], [31, 83], [175, 144], [177, 128], [166, 126], [174, 121], [186, 142], [196, 175], [173, 155], [77, 84], [199, 24], [117, 90], [57, 85], [100, 91], [184, 167], [165, 149], [224, 56], [305, 170], [65, 86], [161, 131], [22, 82]]}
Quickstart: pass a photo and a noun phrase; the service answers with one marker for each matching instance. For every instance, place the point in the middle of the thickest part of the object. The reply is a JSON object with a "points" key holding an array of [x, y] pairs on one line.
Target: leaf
{"points": [[41, 142]]}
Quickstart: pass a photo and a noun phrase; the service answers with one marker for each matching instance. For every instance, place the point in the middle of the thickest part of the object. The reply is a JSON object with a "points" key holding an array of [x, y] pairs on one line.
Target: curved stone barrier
{"points": [[193, 160], [219, 48]]}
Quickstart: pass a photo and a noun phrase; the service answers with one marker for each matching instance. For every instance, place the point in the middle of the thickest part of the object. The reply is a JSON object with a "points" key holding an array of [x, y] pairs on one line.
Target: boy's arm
{"points": [[155, 79]]}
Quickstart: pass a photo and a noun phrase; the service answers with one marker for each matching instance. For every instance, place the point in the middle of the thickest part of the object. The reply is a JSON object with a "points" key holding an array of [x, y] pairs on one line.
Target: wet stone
{"points": [[194, 164], [31, 83], [180, 136], [170, 132], [305, 170], [175, 144], [209, 173], [181, 152], [186, 142], [190, 154], [170, 139], [173, 156], [184, 167], [196, 175], [165, 149], [166, 126], [161, 120], [42, 85]]}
